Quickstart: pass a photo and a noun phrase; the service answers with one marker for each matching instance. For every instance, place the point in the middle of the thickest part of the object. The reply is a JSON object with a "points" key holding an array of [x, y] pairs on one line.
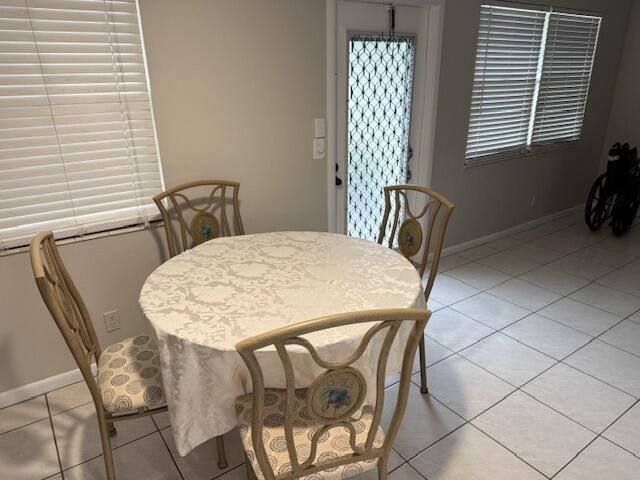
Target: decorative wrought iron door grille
{"points": [[380, 86]]}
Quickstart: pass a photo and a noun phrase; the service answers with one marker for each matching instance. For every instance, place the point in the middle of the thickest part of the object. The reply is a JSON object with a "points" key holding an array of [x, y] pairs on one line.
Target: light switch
{"points": [[318, 128], [318, 148]]}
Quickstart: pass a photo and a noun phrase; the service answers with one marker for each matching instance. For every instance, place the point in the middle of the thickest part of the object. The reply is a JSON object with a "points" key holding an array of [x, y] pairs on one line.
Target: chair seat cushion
{"points": [[332, 444], [129, 375]]}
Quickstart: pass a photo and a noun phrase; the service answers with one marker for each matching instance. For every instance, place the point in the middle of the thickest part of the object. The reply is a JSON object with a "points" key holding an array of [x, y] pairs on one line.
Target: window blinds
{"points": [[504, 80], [531, 79], [78, 151], [566, 72]]}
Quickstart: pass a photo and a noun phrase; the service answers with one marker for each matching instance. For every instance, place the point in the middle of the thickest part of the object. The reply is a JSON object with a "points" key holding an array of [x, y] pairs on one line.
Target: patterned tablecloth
{"points": [[202, 302]]}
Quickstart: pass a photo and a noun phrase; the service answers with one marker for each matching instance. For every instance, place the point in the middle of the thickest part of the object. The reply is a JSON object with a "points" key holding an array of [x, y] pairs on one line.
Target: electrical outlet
{"points": [[111, 321]]}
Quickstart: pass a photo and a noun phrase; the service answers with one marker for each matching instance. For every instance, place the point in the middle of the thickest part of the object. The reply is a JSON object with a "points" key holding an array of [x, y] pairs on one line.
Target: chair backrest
{"points": [[200, 209], [407, 224], [67, 308], [352, 391]]}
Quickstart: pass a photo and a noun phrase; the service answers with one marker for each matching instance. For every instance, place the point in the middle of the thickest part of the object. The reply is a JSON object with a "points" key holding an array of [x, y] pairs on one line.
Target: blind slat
{"points": [[77, 138], [531, 78], [565, 77], [504, 79]]}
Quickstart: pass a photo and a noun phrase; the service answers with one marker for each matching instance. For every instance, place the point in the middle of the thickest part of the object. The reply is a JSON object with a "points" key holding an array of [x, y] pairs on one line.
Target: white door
{"points": [[380, 55]]}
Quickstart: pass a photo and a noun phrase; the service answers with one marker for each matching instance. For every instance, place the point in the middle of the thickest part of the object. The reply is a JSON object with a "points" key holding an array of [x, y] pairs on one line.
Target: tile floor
{"points": [[534, 354]]}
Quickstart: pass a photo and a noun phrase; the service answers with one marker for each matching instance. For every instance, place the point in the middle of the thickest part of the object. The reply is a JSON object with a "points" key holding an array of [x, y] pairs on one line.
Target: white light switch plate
{"points": [[318, 148], [318, 128]]}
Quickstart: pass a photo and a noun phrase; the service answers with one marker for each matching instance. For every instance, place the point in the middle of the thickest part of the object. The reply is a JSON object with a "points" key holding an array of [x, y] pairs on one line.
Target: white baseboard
{"points": [[509, 231], [34, 389], [45, 385]]}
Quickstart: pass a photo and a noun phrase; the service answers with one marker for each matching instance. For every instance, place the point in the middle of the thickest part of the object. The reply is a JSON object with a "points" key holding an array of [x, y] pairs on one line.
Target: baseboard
{"points": [[509, 231], [34, 389], [45, 385]]}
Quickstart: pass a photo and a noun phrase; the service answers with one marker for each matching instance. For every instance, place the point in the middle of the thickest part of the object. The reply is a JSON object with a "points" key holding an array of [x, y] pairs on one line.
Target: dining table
{"points": [[203, 301]]}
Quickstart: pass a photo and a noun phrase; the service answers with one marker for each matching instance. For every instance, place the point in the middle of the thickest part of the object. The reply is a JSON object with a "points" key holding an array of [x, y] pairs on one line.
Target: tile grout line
{"points": [[167, 447], [508, 449], [541, 308], [55, 439], [113, 449], [545, 264], [470, 421], [500, 330], [408, 464], [601, 434], [458, 353], [597, 435], [466, 422], [25, 425]]}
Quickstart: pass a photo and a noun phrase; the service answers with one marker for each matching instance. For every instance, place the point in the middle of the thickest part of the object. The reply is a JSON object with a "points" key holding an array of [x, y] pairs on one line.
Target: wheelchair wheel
{"points": [[625, 212], [598, 204]]}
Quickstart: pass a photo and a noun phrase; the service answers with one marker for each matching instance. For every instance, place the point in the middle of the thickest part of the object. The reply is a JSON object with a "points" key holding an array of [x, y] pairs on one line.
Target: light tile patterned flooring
{"points": [[534, 353]]}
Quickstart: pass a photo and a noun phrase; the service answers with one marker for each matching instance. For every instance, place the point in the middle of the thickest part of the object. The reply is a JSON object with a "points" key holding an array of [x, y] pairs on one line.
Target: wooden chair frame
{"points": [[436, 206], [70, 313], [219, 187], [385, 319]]}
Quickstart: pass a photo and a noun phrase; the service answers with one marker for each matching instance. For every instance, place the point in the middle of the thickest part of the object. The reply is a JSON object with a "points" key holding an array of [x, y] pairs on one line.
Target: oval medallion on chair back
{"points": [[420, 218], [417, 226], [196, 212], [336, 394], [326, 431]]}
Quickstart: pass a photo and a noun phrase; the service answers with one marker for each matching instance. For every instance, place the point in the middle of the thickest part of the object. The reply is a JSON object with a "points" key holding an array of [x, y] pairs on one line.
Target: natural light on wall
{"points": [[531, 79], [78, 150]]}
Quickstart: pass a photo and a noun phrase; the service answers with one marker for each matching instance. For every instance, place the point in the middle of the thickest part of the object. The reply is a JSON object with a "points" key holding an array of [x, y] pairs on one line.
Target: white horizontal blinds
{"points": [[77, 142], [566, 72], [504, 79]]}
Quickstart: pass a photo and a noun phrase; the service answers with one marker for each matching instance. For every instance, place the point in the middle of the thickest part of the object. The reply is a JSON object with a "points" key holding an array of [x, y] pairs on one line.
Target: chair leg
{"points": [[423, 367], [382, 468], [111, 428], [222, 457], [106, 446]]}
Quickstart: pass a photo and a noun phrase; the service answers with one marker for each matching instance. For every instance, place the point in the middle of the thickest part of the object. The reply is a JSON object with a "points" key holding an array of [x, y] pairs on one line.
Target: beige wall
{"points": [[236, 85], [495, 197], [109, 272], [624, 121]]}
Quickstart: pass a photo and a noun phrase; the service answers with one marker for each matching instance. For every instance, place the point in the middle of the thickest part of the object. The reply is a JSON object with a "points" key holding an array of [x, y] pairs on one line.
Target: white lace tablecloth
{"points": [[202, 302]]}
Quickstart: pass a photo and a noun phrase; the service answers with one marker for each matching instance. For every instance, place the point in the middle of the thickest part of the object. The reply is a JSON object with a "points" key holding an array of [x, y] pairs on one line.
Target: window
{"points": [[78, 149], [531, 79]]}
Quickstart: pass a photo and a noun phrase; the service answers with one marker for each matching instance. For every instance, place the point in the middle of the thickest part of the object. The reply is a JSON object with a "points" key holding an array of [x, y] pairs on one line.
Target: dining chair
{"points": [[420, 219], [200, 210], [128, 383], [325, 431]]}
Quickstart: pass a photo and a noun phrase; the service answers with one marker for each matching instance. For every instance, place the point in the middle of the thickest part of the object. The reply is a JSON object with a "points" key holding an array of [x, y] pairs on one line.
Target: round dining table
{"points": [[203, 301]]}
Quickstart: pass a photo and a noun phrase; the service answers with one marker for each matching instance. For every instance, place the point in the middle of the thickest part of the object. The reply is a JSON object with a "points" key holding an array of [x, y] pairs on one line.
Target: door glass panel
{"points": [[380, 82]]}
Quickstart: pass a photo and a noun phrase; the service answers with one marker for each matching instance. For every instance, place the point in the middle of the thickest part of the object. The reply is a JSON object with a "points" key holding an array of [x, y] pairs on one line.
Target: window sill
{"points": [[520, 154], [91, 236]]}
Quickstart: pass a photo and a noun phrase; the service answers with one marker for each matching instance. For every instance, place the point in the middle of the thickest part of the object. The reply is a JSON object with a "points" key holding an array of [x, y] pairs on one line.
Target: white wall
{"points": [[624, 121], [494, 197], [109, 272], [236, 85]]}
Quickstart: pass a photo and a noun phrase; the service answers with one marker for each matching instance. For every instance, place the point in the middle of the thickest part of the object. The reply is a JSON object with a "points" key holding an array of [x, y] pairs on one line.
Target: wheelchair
{"points": [[616, 193]]}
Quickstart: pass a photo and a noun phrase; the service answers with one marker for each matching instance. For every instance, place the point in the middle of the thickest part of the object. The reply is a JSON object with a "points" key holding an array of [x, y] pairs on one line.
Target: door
{"points": [[380, 64]]}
